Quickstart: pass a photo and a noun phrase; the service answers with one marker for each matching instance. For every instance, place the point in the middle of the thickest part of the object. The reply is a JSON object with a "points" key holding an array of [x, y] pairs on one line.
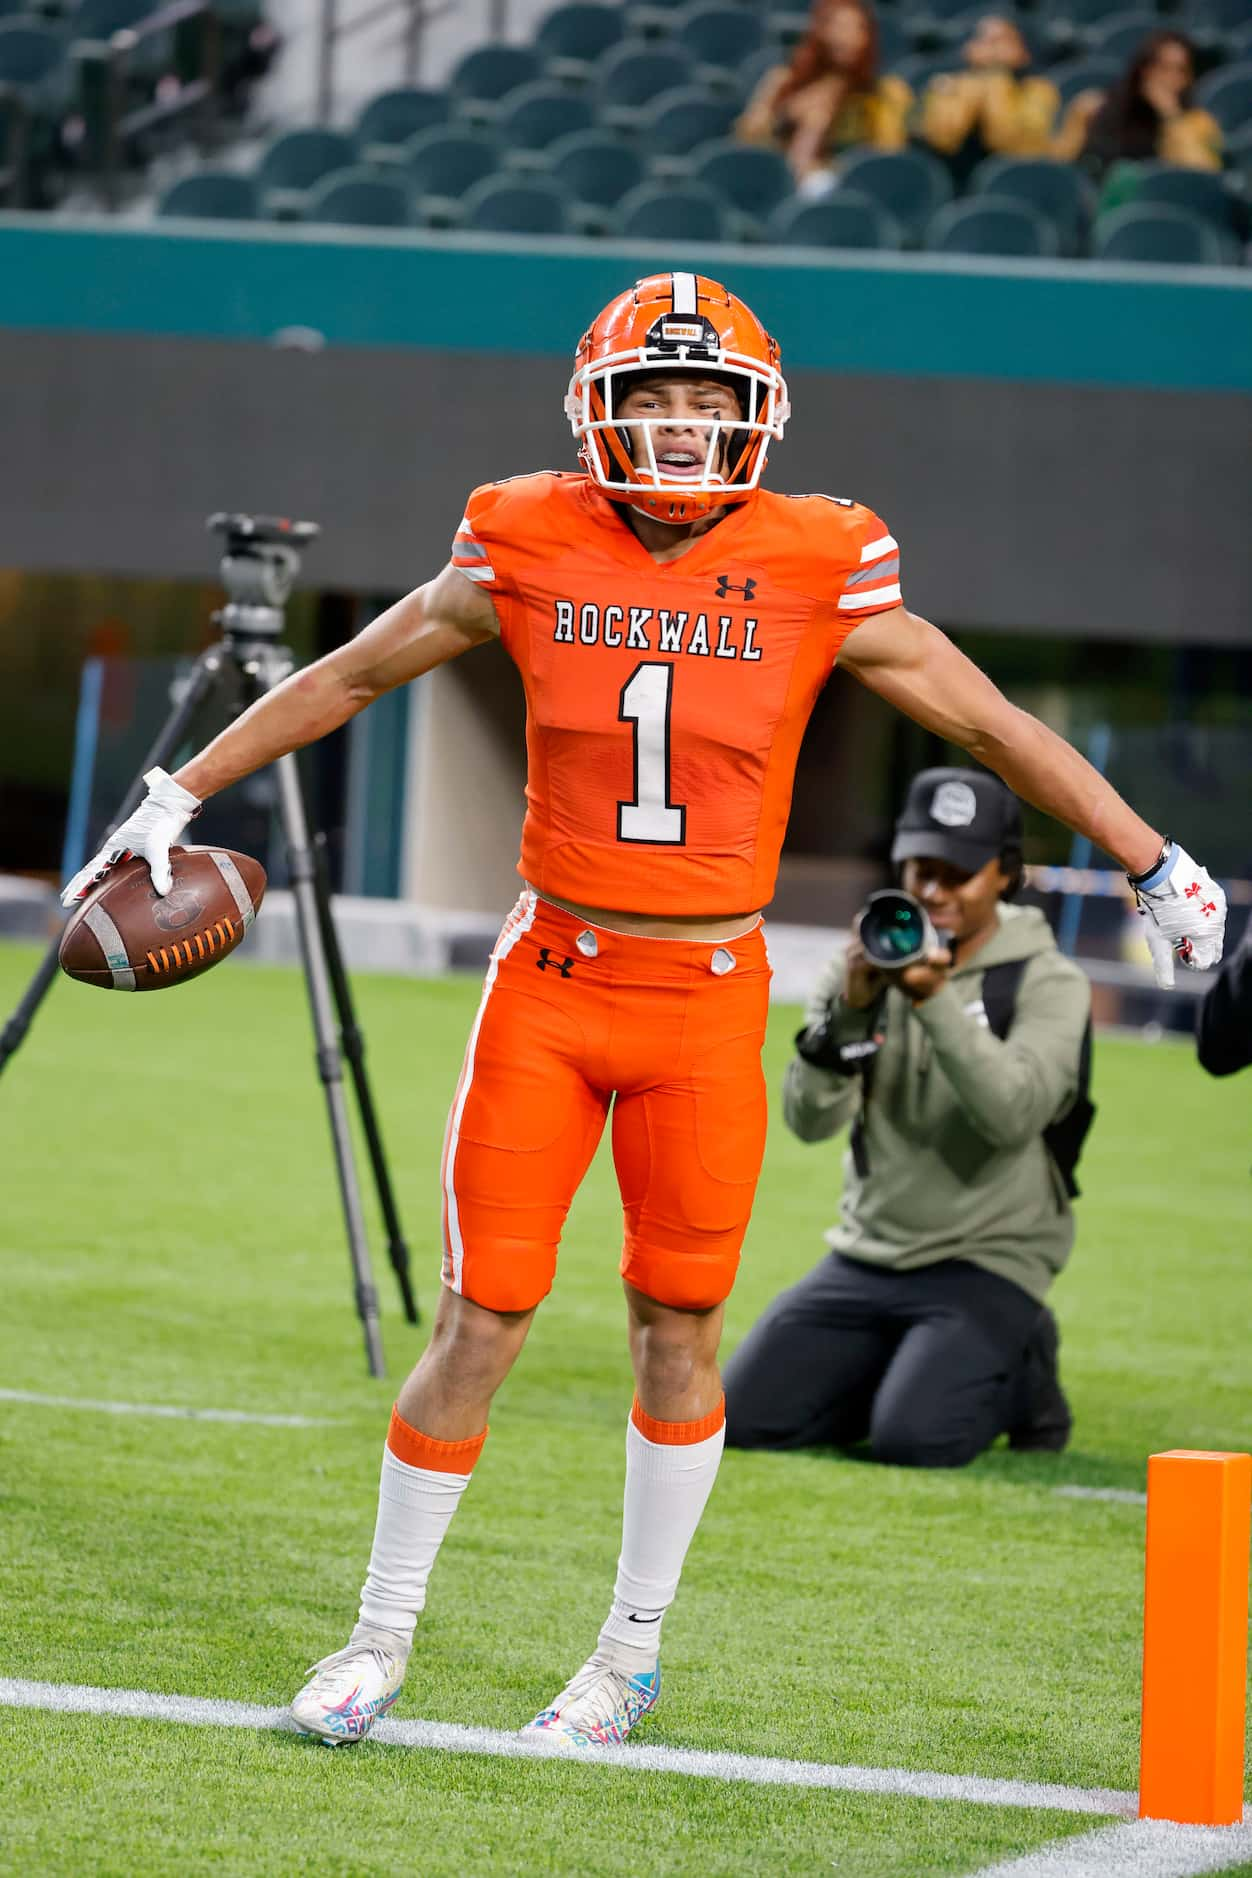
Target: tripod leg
{"points": [[329, 1061], [354, 1049], [173, 731]]}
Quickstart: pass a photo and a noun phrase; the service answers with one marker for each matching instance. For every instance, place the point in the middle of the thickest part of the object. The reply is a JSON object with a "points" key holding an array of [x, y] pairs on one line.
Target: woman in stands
{"points": [[1148, 115], [995, 106], [830, 96]]}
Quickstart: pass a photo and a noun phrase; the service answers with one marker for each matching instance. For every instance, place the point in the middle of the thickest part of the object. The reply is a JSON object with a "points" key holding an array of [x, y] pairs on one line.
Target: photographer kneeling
{"points": [[925, 1328]]}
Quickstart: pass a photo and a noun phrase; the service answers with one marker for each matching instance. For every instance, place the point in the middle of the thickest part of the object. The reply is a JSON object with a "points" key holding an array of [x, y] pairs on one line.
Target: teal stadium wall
{"points": [[1088, 427]]}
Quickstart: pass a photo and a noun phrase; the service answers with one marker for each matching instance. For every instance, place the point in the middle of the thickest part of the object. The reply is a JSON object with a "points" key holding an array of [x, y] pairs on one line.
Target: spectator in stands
{"points": [[998, 105], [830, 96], [924, 1329], [1147, 116]]}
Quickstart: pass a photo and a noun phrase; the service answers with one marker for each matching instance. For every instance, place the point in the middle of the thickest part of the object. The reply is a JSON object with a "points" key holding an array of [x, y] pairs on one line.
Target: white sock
{"points": [[667, 1487], [415, 1508]]}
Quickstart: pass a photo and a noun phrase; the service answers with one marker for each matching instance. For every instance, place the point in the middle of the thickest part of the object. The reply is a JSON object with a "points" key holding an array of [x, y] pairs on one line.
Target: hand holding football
{"points": [[127, 937]]}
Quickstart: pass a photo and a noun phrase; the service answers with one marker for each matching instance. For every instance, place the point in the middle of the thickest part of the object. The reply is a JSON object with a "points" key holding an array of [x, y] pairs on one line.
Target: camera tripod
{"points": [[260, 562]]}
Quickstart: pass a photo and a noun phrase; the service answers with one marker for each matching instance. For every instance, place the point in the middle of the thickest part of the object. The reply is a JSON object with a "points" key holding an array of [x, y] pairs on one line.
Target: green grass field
{"points": [[171, 1234]]}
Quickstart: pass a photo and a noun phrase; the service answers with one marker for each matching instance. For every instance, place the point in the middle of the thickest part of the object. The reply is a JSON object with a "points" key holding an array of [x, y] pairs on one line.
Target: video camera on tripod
{"points": [[259, 564]]}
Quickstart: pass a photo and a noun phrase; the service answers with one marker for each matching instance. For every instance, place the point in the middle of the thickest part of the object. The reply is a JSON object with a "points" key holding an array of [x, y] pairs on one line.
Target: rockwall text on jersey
{"points": [[665, 704]]}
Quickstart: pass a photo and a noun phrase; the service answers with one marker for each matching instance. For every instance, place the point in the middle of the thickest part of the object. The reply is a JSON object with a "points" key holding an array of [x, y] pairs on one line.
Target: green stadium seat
{"points": [[685, 212], [534, 116], [893, 43], [298, 160], [577, 34], [1167, 236], [212, 195], [1057, 191], [360, 198], [443, 164], [502, 205], [386, 123], [752, 70], [753, 181], [1068, 26], [487, 74], [720, 36], [918, 68], [1223, 16], [1227, 93], [679, 121], [789, 28], [1120, 36], [1199, 191], [630, 76], [595, 167], [910, 184], [846, 219], [991, 225], [31, 53], [1087, 74]]}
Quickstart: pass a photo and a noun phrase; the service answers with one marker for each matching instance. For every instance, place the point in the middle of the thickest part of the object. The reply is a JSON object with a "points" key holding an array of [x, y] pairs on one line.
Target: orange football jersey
{"points": [[665, 704]]}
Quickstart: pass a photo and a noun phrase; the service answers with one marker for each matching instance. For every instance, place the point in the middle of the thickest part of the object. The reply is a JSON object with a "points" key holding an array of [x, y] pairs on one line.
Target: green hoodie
{"points": [[953, 1128]]}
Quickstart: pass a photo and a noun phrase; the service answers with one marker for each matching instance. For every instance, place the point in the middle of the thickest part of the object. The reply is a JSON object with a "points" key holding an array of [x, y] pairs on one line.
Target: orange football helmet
{"points": [[676, 322]]}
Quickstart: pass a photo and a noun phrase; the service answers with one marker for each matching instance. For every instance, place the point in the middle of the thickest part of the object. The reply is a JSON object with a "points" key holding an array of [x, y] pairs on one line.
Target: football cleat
{"points": [[347, 1692], [599, 1706]]}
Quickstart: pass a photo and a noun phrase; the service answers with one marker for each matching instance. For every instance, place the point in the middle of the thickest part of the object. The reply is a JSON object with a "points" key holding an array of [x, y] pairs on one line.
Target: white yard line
{"points": [[1127, 1496], [162, 1409], [453, 1738], [1148, 1848], [1139, 1849]]}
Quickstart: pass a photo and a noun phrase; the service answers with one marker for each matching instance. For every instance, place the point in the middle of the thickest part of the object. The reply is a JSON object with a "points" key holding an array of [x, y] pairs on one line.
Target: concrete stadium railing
{"points": [[926, 315]]}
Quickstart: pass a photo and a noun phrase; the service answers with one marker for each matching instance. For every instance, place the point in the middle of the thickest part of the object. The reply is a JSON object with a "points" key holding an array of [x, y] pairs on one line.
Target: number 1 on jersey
{"points": [[645, 703]]}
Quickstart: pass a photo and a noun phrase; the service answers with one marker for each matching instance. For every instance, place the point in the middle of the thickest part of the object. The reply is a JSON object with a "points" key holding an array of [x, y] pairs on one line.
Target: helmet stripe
{"points": [[685, 293]]}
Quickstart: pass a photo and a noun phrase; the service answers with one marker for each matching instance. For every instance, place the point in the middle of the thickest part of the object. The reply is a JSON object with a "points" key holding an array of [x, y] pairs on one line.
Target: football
{"points": [[128, 937]]}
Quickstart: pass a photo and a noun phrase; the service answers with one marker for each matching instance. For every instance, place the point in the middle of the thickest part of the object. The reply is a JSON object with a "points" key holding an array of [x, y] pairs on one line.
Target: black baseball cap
{"points": [[964, 816]]}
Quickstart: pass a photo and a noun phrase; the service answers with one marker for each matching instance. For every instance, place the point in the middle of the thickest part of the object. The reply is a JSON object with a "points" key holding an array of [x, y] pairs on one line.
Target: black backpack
{"points": [[1063, 1139]]}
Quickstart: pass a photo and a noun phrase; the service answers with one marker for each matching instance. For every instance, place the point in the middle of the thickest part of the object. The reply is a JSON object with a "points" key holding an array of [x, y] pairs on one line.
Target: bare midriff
{"points": [[651, 926]]}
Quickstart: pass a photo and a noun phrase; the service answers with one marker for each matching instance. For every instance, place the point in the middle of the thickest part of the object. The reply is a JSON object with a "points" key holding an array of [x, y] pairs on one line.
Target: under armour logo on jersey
{"points": [[727, 586], [564, 966]]}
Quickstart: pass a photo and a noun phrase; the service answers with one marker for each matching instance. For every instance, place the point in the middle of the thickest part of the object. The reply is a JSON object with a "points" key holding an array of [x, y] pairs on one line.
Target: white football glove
{"points": [[1184, 911], [151, 832]]}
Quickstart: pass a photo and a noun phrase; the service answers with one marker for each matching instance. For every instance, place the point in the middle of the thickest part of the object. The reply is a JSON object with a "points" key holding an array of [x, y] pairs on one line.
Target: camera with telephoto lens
{"points": [[895, 930]]}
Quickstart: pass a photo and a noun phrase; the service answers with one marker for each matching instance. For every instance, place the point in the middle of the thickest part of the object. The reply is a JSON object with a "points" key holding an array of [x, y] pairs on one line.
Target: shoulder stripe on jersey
{"points": [[478, 572], [874, 550], [684, 293], [881, 570], [476, 551], [872, 597]]}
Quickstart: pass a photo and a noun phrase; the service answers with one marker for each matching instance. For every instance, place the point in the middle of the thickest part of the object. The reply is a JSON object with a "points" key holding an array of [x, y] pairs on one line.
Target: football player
{"points": [[672, 623]]}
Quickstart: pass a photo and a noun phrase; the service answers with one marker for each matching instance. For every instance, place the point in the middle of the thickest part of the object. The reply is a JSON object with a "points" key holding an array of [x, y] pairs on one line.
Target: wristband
{"points": [[1159, 869]]}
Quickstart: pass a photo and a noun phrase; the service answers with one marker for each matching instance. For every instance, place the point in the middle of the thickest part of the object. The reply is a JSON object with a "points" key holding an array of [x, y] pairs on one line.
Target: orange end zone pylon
{"points": [[1195, 1638]]}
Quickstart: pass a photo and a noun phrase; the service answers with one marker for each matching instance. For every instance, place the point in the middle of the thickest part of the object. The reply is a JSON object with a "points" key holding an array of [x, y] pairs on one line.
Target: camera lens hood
{"points": [[894, 929]]}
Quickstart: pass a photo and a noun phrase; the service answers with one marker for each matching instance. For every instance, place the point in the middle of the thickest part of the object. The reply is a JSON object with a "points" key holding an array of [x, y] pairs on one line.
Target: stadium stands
{"points": [[991, 225], [615, 108], [1056, 191], [1156, 233], [847, 219]]}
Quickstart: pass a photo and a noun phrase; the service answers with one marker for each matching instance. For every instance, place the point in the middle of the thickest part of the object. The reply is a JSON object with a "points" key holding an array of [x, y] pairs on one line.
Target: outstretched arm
{"points": [[917, 668], [431, 625]]}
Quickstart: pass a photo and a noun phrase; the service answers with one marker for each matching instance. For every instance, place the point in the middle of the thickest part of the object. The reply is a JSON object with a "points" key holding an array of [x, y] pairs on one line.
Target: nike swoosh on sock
{"points": [[632, 1619]]}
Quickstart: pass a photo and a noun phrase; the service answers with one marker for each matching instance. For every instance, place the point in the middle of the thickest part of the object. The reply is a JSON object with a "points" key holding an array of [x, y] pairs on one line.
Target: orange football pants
{"points": [[575, 1020]]}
